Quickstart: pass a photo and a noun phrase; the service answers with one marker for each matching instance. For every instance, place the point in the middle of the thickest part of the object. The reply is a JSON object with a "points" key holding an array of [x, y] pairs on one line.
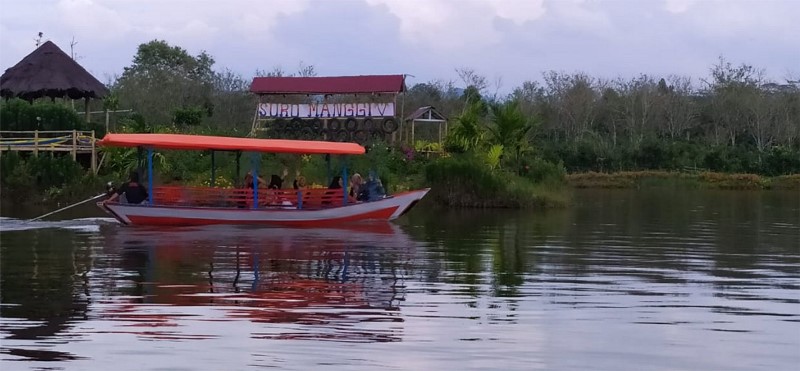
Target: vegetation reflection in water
{"points": [[617, 281]]}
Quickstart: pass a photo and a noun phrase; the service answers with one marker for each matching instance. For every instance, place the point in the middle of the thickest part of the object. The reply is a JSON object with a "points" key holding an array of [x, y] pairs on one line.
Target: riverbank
{"points": [[698, 180]]}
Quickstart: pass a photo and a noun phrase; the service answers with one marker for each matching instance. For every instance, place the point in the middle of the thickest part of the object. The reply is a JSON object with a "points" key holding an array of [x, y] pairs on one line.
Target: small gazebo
{"points": [[427, 115], [49, 72]]}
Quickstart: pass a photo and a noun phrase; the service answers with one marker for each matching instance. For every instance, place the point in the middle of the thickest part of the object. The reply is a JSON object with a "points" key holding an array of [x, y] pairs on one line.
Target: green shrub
{"points": [[540, 170], [780, 160], [18, 114], [23, 177], [466, 181], [188, 116]]}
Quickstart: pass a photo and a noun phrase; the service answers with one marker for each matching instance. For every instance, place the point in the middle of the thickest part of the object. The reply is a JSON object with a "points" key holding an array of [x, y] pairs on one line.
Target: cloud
{"points": [[451, 24], [88, 19], [189, 22], [514, 39], [678, 6]]}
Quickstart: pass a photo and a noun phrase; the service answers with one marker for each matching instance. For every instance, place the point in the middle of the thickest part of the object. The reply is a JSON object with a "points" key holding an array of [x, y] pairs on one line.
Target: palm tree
{"points": [[467, 133], [509, 128]]}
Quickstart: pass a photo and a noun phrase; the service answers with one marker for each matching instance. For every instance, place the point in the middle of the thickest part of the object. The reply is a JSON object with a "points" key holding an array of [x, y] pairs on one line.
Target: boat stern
{"points": [[406, 201]]}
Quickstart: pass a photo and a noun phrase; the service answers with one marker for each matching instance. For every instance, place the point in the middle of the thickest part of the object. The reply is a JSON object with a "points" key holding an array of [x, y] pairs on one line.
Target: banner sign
{"points": [[325, 110]]}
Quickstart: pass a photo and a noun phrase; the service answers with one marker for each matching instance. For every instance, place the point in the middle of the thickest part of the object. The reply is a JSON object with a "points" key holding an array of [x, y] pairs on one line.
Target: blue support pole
{"points": [[254, 166], [213, 169], [299, 199], [150, 174]]}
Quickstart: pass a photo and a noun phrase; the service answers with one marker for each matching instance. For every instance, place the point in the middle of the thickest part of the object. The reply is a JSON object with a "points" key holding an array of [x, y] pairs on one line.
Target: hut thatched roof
{"points": [[49, 72]]}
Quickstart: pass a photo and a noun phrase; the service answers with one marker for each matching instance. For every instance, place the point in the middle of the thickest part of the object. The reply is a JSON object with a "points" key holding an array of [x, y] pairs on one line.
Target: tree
{"points": [[158, 56], [678, 110], [530, 97], [471, 78], [640, 99], [163, 78], [574, 100], [731, 91]]}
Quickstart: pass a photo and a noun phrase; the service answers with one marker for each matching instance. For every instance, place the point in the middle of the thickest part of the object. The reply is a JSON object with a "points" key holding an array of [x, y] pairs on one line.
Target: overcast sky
{"points": [[515, 40]]}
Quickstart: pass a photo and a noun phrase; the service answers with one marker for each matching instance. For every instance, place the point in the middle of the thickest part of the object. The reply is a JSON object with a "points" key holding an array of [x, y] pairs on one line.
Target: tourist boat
{"points": [[184, 205]]}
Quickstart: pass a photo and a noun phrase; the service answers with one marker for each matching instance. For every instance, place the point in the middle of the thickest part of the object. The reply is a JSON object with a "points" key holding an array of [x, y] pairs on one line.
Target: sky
{"points": [[507, 41]]}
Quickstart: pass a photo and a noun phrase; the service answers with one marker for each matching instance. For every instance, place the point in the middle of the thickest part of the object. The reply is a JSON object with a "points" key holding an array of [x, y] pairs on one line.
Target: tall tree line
{"points": [[734, 119]]}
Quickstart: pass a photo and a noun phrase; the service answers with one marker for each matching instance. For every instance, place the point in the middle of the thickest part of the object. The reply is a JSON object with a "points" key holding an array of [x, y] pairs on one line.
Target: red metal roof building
{"points": [[329, 85]]}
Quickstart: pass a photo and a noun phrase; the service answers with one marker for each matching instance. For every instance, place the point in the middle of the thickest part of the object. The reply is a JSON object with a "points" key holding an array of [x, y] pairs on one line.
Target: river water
{"points": [[622, 280]]}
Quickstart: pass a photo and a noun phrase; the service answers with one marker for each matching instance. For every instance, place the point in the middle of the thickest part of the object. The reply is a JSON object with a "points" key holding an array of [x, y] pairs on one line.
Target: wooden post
{"points": [[86, 108], [74, 145], [94, 155], [36, 143], [107, 119], [412, 133], [400, 128], [402, 117], [256, 126]]}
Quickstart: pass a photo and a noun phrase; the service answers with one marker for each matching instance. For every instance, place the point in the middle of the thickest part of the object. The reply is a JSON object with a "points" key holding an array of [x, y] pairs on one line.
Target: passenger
{"points": [[336, 183], [372, 190], [299, 180], [355, 185], [130, 192], [276, 182], [248, 181]]}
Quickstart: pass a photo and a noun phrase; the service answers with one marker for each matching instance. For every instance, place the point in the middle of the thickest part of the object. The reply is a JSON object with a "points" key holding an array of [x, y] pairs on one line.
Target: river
{"points": [[622, 280]]}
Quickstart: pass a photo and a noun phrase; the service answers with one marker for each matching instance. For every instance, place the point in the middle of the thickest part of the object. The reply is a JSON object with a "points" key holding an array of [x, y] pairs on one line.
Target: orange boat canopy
{"points": [[206, 142]]}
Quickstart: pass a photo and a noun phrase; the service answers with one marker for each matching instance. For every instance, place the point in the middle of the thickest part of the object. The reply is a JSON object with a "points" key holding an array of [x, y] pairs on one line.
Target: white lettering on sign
{"points": [[326, 110]]}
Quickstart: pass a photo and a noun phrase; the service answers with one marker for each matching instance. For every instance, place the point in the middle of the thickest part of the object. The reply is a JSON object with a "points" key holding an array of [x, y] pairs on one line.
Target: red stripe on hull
{"points": [[383, 214]]}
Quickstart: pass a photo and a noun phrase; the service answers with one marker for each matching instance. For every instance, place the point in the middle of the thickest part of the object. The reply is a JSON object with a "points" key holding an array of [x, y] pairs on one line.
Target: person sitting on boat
{"points": [[276, 182], [299, 182], [248, 181], [130, 192], [355, 185], [336, 183], [372, 190]]}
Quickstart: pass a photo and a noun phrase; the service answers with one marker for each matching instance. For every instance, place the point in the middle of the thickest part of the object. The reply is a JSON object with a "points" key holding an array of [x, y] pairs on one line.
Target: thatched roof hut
{"points": [[49, 72]]}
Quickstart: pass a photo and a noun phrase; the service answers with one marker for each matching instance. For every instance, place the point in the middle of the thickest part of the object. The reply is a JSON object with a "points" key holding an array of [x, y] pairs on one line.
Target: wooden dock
{"points": [[72, 141]]}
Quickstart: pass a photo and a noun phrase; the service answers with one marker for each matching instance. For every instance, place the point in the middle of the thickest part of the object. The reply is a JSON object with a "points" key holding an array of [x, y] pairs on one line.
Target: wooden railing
{"points": [[73, 141], [315, 198]]}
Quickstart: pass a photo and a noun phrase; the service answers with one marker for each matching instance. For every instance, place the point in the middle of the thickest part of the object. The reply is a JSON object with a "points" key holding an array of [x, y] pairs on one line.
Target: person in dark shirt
{"points": [[372, 190], [276, 182], [134, 193], [336, 183]]}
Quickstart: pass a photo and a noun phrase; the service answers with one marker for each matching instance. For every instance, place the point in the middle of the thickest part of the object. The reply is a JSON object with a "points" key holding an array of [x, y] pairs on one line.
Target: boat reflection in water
{"points": [[321, 284]]}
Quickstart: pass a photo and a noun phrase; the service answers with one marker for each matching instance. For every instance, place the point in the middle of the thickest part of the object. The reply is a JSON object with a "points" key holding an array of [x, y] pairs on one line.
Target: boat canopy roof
{"points": [[207, 142]]}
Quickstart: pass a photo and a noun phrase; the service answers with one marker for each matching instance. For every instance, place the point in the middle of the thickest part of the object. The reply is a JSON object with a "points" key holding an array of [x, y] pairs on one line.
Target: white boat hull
{"points": [[389, 208]]}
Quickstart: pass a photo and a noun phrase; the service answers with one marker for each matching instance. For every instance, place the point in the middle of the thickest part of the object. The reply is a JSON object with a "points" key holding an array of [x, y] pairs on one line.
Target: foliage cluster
{"points": [[56, 178], [20, 115], [463, 181]]}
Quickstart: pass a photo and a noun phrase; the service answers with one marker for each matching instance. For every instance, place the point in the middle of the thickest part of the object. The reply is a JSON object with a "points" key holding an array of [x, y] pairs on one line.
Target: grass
{"points": [[707, 180]]}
